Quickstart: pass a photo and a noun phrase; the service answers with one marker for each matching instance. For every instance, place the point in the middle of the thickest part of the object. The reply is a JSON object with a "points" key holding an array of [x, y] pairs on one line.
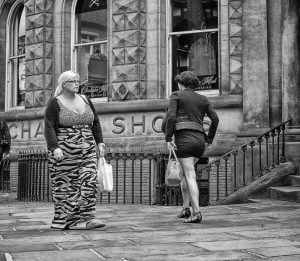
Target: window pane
{"points": [[91, 21], [92, 68], [17, 68], [194, 15], [197, 53], [21, 33], [21, 81]]}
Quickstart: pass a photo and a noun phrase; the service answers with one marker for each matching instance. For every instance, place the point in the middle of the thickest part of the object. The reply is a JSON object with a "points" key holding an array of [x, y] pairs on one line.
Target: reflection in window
{"points": [[194, 40], [91, 47], [16, 59]]}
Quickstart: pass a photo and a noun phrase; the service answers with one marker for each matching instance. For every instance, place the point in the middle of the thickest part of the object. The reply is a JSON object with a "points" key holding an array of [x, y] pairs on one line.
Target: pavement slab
{"points": [[276, 251], [203, 256], [149, 250], [245, 244], [67, 255], [262, 230]]}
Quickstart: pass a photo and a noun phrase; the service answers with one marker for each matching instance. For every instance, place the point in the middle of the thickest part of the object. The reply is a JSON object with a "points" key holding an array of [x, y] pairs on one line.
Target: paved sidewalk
{"points": [[268, 230]]}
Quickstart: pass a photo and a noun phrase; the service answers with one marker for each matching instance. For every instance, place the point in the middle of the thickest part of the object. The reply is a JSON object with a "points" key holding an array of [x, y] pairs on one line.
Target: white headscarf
{"points": [[63, 77]]}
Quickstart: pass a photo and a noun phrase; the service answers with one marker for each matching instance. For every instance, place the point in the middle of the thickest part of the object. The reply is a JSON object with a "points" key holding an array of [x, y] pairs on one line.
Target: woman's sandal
{"points": [[94, 223], [185, 213], [195, 218]]}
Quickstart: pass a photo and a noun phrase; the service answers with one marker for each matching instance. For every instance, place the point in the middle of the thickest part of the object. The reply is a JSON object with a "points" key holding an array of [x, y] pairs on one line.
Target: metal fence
{"points": [[138, 178], [33, 176], [5, 175], [244, 164]]}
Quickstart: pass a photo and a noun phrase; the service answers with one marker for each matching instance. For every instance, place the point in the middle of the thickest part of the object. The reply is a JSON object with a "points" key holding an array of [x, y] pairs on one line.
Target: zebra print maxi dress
{"points": [[74, 179]]}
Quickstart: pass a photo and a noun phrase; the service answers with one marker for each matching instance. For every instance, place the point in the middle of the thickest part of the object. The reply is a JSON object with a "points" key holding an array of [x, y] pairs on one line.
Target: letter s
{"points": [[118, 122]]}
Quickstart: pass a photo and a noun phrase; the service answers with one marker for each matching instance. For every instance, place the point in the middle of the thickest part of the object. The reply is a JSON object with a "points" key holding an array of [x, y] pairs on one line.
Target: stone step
{"points": [[289, 193], [295, 180]]}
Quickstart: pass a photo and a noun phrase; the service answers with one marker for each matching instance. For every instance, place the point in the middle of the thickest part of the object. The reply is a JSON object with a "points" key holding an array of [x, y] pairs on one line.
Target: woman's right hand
{"points": [[58, 154], [171, 145]]}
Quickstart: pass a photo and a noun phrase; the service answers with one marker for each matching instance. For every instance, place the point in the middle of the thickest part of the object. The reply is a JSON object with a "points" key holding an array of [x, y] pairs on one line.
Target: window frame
{"points": [[74, 46], [169, 58], [11, 91]]}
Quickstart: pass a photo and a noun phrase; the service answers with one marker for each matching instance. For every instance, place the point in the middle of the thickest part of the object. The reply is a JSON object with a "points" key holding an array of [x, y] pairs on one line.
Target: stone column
{"points": [[156, 49], [128, 72], [255, 65], [39, 52], [291, 61], [275, 60]]}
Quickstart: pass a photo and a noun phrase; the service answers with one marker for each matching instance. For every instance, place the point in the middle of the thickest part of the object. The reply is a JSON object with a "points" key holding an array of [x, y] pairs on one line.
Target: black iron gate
{"points": [[5, 175]]}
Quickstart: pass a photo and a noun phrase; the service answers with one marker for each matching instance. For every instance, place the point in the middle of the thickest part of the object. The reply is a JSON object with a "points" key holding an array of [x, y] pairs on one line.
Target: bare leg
{"points": [[190, 175], [185, 194]]}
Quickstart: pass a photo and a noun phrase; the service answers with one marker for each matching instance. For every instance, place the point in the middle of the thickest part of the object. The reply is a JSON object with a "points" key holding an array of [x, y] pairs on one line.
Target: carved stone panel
{"points": [[235, 11], [39, 52], [128, 49]]}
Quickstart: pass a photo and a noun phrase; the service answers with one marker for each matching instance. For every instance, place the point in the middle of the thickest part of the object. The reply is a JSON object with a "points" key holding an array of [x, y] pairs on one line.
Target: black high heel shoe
{"points": [[185, 213], [195, 218]]}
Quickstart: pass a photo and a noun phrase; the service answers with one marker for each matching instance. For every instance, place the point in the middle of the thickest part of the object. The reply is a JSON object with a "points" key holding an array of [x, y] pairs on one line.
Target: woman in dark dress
{"points": [[184, 120]]}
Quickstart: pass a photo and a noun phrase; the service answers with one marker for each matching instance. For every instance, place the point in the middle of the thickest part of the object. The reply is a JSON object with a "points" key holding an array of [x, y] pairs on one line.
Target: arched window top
{"points": [[91, 21], [84, 6], [17, 31]]}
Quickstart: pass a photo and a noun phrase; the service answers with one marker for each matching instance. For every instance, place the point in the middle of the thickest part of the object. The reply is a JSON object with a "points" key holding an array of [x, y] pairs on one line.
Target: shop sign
{"points": [[208, 82], [126, 125]]}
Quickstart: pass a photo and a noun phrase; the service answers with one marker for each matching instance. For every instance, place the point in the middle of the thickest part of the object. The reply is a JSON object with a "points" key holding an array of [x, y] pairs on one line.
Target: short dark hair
{"points": [[188, 79]]}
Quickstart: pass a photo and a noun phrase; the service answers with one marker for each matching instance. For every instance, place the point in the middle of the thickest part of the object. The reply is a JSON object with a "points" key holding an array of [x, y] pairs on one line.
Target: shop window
{"points": [[15, 87], [90, 47], [193, 42]]}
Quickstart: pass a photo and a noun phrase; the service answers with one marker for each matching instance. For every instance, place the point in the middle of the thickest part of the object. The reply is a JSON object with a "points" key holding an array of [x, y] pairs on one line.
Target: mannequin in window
{"points": [[97, 70]]}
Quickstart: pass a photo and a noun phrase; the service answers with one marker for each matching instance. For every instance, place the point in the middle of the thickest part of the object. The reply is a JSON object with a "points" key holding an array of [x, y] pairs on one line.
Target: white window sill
{"points": [[16, 108], [104, 99], [209, 93]]}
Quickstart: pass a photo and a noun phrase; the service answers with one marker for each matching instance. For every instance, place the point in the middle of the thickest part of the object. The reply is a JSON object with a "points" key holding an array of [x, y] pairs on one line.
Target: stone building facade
{"points": [[127, 52]]}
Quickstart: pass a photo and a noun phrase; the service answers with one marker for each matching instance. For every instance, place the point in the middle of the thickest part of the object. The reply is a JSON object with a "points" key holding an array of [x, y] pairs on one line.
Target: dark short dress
{"points": [[189, 143]]}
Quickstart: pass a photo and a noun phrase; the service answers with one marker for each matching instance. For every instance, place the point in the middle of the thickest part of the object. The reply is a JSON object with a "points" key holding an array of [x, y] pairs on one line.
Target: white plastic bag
{"points": [[105, 175]]}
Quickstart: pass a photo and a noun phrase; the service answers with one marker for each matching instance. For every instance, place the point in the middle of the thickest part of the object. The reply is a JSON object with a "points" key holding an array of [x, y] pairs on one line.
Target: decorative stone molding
{"points": [[39, 52], [235, 12], [128, 73]]}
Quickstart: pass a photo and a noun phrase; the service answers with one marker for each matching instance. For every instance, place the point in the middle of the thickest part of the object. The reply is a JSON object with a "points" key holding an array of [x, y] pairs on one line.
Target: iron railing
{"points": [[251, 160], [5, 175], [33, 176], [134, 177], [138, 178]]}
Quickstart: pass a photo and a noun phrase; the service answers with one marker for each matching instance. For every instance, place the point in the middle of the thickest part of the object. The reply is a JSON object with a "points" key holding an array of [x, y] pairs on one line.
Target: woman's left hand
{"points": [[101, 150]]}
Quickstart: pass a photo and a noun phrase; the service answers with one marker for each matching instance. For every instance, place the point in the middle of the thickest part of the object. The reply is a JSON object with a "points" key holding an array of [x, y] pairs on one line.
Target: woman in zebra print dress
{"points": [[74, 138]]}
